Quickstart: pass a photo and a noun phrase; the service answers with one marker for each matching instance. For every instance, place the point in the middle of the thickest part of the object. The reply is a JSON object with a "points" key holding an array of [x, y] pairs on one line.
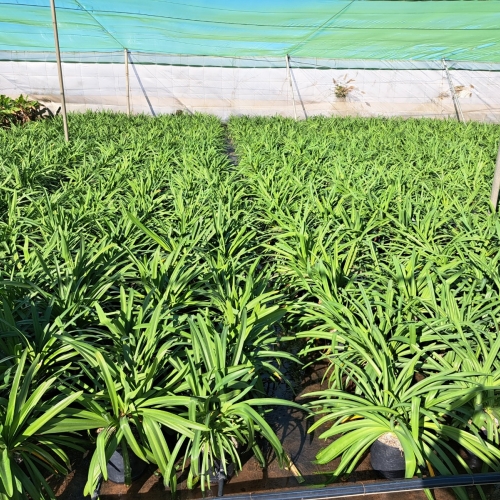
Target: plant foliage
{"points": [[149, 287]]}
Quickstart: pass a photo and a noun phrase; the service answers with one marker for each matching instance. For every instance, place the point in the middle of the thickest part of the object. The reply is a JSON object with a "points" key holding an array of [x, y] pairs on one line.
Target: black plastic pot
{"points": [[473, 461], [387, 460], [116, 469]]}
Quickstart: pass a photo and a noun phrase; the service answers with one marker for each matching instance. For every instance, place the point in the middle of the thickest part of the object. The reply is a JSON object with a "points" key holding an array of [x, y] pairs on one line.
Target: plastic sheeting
{"points": [[330, 29], [226, 91], [246, 62]]}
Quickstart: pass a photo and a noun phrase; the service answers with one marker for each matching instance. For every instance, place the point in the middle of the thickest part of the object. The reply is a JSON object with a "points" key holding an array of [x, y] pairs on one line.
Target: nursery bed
{"points": [[291, 427], [156, 274]]}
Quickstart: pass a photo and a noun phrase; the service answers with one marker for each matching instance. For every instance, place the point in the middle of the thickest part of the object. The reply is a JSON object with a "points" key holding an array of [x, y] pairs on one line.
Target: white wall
{"points": [[256, 91]]}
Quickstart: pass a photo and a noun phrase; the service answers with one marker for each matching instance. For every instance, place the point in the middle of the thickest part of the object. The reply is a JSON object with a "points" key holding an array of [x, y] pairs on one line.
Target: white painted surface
{"points": [[256, 91]]}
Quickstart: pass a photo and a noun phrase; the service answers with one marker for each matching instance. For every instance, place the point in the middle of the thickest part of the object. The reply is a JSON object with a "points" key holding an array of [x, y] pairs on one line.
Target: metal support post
{"points": [[59, 70], [291, 84], [456, 102], [495, 188], [127, 82]]}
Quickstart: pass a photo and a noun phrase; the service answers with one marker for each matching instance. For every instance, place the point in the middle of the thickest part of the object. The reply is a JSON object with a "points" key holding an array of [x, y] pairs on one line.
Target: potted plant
{"points": [[476, 351], [29, 450], [415, 417], [128, 395], [224, 382], [375, 396], [130, 416]]}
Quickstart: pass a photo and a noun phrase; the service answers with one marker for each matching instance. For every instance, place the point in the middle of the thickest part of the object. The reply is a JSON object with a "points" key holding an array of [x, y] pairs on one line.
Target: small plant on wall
{"points": [[343, 88]]}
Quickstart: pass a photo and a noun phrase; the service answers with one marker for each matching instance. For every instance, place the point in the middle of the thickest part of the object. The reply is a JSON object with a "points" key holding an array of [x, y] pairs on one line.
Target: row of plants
{"points": [[149, 287], [384, 233], [138, 313]]}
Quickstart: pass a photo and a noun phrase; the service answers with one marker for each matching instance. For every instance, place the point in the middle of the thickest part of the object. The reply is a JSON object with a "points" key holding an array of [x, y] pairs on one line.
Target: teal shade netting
{"points": [[334, 29]]}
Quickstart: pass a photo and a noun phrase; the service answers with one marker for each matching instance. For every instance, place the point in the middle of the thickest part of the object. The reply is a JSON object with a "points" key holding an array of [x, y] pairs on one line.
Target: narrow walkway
{"points": [[230, 149]]}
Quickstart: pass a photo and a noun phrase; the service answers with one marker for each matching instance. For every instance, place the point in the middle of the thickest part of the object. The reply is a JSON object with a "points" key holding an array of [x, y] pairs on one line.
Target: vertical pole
{"points": [[495, 188], [59, 70], [456, 103], [291, 84], [127, 82]]}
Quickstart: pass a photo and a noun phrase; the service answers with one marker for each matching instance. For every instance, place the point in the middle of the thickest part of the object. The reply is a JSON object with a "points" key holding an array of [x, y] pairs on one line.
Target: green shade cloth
{"points": [[329, 29]]}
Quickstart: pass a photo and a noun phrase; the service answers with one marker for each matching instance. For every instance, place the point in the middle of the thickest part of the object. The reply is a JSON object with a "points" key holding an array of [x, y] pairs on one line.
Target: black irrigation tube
{"points": [[376, 488]]}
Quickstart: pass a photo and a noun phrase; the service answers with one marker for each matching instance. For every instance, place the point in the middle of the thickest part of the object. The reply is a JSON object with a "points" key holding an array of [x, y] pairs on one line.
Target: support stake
{"points": [[291, 84], [127, 82], [495, 188], [456, 102], [59, 70]]}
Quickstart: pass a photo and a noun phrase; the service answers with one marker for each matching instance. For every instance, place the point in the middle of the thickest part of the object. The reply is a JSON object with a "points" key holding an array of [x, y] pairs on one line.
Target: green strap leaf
{"points": [[12, 404], [110, 384], [38, 424], [5, 473]]}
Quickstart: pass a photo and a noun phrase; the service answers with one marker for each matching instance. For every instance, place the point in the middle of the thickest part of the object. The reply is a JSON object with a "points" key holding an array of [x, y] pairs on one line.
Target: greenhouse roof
{"points": [[334, 29]]}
